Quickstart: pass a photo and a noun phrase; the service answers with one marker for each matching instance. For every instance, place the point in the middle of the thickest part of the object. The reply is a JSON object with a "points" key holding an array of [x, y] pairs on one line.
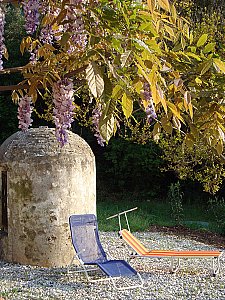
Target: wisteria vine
{"points": [[24, 112], [63, 108]]}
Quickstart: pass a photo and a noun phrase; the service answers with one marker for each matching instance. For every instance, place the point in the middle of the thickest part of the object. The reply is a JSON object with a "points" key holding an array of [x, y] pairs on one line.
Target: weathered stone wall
{"points": [[46, 184]]}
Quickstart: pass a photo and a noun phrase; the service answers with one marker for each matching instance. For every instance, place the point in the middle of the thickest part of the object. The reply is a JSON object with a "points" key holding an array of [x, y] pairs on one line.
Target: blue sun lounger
{"points": [[89, 252]]}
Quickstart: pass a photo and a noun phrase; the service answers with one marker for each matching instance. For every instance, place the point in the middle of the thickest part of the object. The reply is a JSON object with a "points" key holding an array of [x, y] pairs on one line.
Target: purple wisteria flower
{"points": [[48, 34], [96, 115], [78, 39], [63, 110], [32, 16], [2, 45], [150, 109], [24, 112], [150, 112]]}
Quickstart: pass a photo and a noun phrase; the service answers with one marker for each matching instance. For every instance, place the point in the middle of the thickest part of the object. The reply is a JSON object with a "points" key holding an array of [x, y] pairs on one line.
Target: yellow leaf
{"points": [[5, 53], [175, 111], [142, 71], [176, 123], [156, 132], [169, 30], [174, 12], [163, 101], [151, 5], [198, 80], [219, 64], [22, 46], [205, 66], [15, 97], [155, 94], [164, 4], [190, 107], [219, 147], [138, 86], [167, 126], [116, 91], [127, 105]]}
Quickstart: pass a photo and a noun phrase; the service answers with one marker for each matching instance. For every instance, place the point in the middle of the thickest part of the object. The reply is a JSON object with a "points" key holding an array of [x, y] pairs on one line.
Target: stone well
{"points": [[41, 185]]}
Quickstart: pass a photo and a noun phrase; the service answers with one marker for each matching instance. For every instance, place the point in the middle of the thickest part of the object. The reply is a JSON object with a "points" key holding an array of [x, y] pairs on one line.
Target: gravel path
{"points": [[193, 280]]}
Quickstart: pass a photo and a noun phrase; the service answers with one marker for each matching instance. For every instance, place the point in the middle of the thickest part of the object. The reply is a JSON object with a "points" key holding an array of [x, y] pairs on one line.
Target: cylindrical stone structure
{"points": [[42, 184]]}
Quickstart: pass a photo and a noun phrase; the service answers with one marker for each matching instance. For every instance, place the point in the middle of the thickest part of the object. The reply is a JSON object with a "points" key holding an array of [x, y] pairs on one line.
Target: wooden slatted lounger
{"points": [[141, 251]]}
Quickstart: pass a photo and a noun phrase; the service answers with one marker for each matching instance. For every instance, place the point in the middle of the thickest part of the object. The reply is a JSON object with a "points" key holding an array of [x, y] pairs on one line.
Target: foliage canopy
{"points": [[128, 44]]}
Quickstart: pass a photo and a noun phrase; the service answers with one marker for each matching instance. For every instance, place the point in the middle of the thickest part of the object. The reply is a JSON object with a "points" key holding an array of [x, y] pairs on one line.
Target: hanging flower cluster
{"points": [[2, 45], [32, 16], [96, 114], [150, 109], [63, 110], [78, 40], [48, 35], [24, 112]]}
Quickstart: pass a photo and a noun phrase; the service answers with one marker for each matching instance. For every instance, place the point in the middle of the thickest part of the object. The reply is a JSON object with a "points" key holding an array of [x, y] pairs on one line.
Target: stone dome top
{"points": [[41, 143]]}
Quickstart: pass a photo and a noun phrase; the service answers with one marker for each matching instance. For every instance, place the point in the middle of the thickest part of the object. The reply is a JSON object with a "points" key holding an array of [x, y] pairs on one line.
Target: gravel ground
{"points": [[192, 281]]}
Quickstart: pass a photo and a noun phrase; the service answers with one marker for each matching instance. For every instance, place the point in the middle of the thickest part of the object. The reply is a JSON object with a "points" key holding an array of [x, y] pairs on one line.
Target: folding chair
{"points": [[89, 252], [141, 252]]}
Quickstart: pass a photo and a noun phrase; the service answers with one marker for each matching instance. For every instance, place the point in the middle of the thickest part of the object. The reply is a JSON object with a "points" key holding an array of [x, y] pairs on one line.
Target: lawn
{"points": [[153, 212]]}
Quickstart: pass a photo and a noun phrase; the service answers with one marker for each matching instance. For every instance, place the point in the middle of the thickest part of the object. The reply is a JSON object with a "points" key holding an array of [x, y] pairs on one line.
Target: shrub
{"points": [[175, 197]]}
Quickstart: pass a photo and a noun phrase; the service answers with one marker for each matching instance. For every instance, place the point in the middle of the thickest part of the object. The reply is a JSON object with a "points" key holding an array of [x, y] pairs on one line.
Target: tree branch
{"points": [[4, 88], [13, 70]]}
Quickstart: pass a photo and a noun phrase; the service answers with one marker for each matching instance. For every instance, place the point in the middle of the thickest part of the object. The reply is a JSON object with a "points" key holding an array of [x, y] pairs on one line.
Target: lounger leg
{"points": [[173, 267], [216, 266], [69, 266]]}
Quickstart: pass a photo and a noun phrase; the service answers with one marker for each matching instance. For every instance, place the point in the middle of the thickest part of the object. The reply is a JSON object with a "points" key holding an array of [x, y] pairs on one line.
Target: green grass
{"points": [[151, 212]]}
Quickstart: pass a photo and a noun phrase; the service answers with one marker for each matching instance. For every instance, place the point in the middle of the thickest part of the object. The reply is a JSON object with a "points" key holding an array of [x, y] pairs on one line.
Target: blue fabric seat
{"points": [[89, 251]]}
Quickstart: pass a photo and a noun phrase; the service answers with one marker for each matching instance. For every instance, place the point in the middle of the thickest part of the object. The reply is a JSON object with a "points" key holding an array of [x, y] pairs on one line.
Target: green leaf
{"points": [[202, 40], [205, 66], [116, 43], [209, 48], [95, 79], [127, 105], [190, 54]]}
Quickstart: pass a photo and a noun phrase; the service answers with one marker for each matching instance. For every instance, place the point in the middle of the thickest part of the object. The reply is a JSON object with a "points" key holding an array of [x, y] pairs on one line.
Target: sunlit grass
{"points": [[150, 212]]}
